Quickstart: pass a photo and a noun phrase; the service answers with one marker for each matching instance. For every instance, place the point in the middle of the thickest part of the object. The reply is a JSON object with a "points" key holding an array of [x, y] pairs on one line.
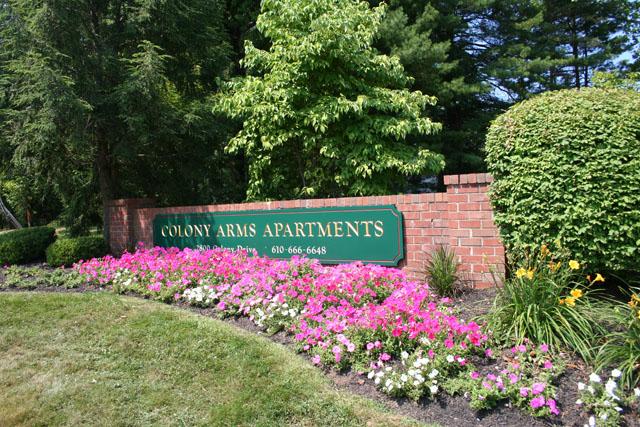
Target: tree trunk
{"points": [[104, 171], [8, 215]]}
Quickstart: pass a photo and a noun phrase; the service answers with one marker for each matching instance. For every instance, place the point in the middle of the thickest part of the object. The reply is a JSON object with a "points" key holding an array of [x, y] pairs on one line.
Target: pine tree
{"points": [[101, 96]]}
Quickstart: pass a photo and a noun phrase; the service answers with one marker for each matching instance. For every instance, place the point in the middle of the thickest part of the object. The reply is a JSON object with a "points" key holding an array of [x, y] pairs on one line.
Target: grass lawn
{"points": [[103, 359]]}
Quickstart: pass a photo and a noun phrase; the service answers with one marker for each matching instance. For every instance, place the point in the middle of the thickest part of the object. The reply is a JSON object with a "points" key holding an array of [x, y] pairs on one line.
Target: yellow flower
{"points": [[574, 265], [554, 266], [599, 278], [530, 274], [570, 301], [638, 314], [561, 302], [635, 297], [632, 304], [544, 250], [576, 293], [521, 272]]}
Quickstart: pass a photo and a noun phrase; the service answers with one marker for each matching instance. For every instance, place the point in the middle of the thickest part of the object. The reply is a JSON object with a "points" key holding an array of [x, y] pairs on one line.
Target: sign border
{"points": [[394, 211]]}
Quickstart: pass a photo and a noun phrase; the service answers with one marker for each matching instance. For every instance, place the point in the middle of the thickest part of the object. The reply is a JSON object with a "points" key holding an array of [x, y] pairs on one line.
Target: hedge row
{"points": [[39, 243]]}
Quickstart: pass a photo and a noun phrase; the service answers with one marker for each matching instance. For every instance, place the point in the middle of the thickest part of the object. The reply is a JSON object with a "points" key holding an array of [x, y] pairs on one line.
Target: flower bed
{"points": [[369, 318]]}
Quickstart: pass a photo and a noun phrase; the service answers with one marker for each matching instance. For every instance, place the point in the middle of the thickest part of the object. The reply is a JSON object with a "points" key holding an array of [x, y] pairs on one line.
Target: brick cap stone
{"points": [[469, 178]]}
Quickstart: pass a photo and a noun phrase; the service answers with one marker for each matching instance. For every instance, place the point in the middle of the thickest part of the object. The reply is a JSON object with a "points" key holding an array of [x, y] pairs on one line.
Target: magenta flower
{"points": [[537, 402], [475, 375], [537, 388], [544, 348], [551, 403]]}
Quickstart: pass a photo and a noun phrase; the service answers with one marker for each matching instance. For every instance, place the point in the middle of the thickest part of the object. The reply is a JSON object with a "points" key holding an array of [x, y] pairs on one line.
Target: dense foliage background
{"points": [[103, 99]]}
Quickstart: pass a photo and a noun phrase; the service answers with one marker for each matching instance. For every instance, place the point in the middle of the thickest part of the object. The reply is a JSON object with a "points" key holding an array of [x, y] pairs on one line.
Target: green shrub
{"points": [[71, 250], [566, 165], [548, 301], [25, 245], [442, 272]]}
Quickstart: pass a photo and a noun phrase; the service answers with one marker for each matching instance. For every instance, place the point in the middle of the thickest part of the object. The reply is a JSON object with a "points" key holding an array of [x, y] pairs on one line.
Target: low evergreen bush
{"points": [[25, 245], [68, 251]]}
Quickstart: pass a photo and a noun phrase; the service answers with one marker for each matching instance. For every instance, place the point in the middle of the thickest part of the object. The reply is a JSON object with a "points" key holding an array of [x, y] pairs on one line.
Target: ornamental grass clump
{"points": [[549, 300], [621, 347], [442, 272]]}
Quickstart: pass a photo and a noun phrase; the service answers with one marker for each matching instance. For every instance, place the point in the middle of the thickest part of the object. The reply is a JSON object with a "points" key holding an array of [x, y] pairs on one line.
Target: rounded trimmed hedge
{"points": [[25, 244], [68, 251], [566, 165]]}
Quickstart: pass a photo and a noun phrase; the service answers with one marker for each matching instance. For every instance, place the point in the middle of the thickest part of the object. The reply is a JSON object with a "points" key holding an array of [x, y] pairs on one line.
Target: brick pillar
{"points": [[119, 221], [472, 233]]}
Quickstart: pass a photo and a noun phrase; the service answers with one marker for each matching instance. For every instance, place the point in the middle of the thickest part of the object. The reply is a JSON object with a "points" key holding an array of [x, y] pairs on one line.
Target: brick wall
{"points": [[460, 218]]}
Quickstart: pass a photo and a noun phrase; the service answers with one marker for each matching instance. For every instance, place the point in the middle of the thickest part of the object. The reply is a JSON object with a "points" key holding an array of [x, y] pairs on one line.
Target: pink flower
{"points": [[384, 357], [315, 360], [370, 346], [548, 365], [551, 403], [221, 306], [513, 378], [488, 352], [537, 402], [524, 391], [537, 388], [475, 375], [351, 347], [544, 348], [522, 348]]}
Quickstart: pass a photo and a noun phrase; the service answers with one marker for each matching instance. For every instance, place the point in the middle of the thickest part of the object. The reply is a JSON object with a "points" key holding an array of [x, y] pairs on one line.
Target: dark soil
{"points": [[446, 410]]}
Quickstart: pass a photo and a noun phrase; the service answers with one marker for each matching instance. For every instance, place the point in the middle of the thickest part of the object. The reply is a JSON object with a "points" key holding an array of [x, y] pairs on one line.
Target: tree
{"points": [[323, 113], [102, 96], [435, 42], [535, 46]]}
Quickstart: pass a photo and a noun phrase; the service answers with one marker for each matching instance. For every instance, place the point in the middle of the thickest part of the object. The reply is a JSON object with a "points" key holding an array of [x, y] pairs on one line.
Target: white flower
{"points": [[591, 390], [388, 383], [616, 373], [424, 361], [592, 421], [617, 408], [450, 358], [404, 355], [412, 372], [416, 364], [433, 389], [404, 378], [371, 374], [594, 378], [579, 402], [377, 380], [636, 391], [610, 386], [604, 416], [581, 386], [433, 374], [379, 374]]}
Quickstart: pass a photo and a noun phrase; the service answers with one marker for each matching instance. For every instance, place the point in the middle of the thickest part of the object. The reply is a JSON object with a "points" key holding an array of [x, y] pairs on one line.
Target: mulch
{"points": [[445, 410]]}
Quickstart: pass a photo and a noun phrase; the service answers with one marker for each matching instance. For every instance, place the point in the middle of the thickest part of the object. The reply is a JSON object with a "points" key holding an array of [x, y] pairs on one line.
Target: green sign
{"points": [[372, 234]]}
